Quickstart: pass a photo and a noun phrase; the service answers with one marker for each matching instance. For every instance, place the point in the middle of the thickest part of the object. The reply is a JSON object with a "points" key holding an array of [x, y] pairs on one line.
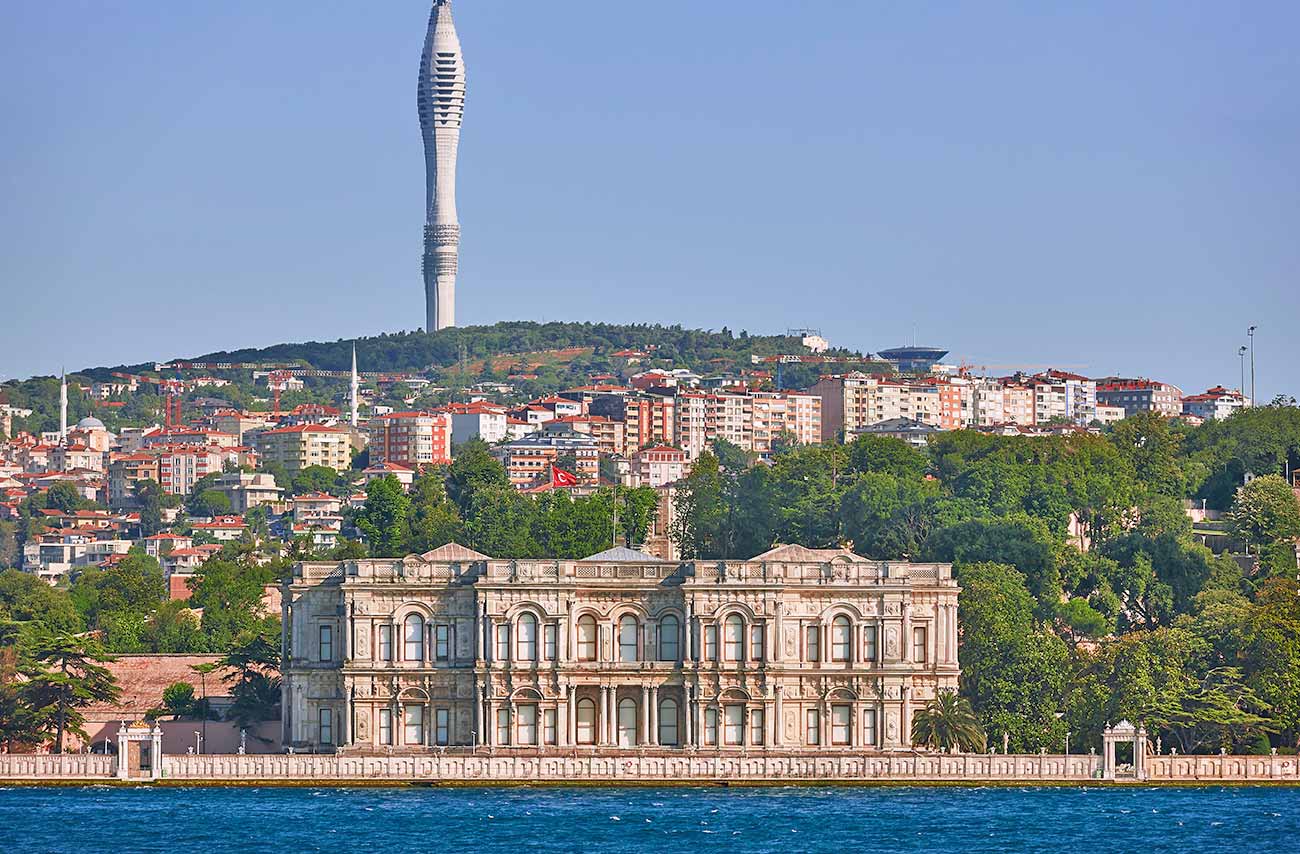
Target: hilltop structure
{"points": [[441, 98]]}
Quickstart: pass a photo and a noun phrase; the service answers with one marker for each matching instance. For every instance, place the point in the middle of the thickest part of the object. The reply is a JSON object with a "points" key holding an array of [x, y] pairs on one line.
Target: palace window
{"points": [[869, 643], [756, 643], [812, 642], [841, 716], [526, 724], [627, 631], [548, 726], [413, 724], [550, 642], [526, 638], [734, 720], [326, 643], [669, 638], [734, 638], [711, 642], [503, 642], [841, 631], [812, 727], [668, 721], [586, 638], [442, 642], [919, 644], [386, 726], [442, 727], [756, 726], [586, 721], [414, 638], [503, 725], [711, 725], [869, 727], [386, 643], [326, 726]]}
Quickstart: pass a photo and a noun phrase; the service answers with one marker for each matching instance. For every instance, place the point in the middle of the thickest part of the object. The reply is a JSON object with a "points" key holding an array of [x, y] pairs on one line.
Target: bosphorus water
{"points": [[392, 820]]}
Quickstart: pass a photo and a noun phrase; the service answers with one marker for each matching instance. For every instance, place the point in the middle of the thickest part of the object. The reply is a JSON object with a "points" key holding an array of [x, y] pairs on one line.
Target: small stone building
{"points": [[796, 648]]}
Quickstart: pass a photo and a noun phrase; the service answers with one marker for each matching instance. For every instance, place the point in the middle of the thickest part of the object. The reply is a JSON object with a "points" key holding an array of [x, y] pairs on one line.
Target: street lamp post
{"points": [[1251, 334], [1241, 357], [198, 741]]}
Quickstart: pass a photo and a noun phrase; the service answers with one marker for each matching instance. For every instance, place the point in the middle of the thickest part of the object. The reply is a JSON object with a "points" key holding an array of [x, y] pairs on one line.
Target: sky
{"points": [[1110, 188]]}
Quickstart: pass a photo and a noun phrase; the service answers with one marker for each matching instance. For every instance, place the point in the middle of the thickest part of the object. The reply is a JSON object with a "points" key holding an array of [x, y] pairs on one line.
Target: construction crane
{"points": [[172, 392]]}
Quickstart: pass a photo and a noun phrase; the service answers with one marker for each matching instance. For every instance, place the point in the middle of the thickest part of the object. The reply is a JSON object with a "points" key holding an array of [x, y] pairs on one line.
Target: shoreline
{"points": [[303, 783]]}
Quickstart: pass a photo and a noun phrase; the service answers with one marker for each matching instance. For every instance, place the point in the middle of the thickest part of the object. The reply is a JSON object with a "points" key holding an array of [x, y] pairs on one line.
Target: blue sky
{"points": [[1107, 187]]}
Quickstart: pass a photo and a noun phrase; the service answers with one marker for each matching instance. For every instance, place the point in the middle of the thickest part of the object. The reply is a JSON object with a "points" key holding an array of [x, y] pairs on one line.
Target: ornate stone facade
{"points": [[795, 649]]}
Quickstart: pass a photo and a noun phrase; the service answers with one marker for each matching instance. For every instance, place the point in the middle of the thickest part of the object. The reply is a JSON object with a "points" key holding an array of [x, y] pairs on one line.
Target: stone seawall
{"points": [[650, 768]]}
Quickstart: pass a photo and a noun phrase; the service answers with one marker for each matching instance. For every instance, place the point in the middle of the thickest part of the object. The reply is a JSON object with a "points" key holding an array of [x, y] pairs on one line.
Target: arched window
{"points": [[841, 630], [587, 638], [627, 722], [586, 721], [526, 638], [668, 721], [669, 638], [734, 638], [413, 647], [627, 631]]}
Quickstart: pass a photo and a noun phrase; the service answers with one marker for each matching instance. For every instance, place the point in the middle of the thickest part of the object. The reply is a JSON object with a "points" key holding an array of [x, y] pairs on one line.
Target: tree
{"points": [[70, 677], [317, 478], [178, 701], [698, 528], [474, 469], [149, 498], [1013, 670], [230, 594], [255, 683], [383, 519], [119, 599], [1265, 511], [24, 598], [209, 502], [433, 520], [948, 724], [1081, 621], [637, 507], [886, 455], [63, 496]]}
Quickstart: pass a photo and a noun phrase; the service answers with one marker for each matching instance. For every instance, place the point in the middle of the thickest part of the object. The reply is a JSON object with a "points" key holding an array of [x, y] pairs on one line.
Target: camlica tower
{"points": [[442, 104]]}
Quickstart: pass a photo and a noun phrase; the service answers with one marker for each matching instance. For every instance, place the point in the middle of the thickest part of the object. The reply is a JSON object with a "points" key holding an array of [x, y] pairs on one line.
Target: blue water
{"points": [[393, 821]]}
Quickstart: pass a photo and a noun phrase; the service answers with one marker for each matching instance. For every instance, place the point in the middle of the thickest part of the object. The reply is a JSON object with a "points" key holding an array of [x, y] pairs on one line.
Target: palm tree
{"points": [[948, 722]]}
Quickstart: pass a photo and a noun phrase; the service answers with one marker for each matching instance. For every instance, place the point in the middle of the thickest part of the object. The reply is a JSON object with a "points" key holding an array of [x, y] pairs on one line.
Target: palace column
{"points": [[489, 729], [602, 730], [688, 714], [644, 722], [652, 737], [776, 715]]}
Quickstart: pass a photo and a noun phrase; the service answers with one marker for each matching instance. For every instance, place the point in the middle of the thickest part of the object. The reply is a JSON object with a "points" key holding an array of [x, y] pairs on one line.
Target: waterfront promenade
{"points": [[650, 768]]}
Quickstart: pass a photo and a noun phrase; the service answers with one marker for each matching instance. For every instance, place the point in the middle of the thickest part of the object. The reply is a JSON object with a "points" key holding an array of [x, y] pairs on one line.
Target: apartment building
{"points": [[411, 439], [304, 445], [1141, 395]]}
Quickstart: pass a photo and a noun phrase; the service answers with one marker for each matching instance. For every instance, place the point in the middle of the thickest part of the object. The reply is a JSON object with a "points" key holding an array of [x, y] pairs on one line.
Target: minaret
{"points": [[63, 409], [355, 385], [442, 103]]}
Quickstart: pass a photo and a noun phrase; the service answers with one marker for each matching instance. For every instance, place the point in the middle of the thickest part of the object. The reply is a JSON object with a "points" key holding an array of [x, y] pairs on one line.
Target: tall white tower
{"points": [[442, 104]]}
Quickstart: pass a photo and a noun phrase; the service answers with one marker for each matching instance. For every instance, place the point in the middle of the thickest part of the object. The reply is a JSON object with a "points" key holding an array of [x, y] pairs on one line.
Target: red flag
{"points": [[560, 477]]}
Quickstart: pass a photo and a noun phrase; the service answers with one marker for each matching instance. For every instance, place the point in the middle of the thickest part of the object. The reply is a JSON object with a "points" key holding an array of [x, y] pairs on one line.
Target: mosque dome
{"points": [[90, 422]]}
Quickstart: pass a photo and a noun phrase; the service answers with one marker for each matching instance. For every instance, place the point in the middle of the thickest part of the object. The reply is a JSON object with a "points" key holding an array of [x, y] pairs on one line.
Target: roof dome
{"points": [[90, 422]]}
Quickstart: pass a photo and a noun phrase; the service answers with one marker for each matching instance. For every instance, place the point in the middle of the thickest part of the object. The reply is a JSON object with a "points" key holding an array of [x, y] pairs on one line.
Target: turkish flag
{"points": [[560, 477]]}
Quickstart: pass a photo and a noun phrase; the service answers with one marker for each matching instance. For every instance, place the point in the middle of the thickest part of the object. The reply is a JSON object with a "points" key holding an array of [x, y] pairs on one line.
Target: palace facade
{"points": [[797, 648]]}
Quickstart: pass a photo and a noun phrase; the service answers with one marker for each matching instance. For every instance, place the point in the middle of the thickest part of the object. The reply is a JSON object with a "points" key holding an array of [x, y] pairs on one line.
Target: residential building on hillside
{"points": [[1062, 396], [484, 421], [658, 465], [1215, 403], [411, 439], [528, 460], [1141, 395], [248, 489], [305, 445], [817, 649]]}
